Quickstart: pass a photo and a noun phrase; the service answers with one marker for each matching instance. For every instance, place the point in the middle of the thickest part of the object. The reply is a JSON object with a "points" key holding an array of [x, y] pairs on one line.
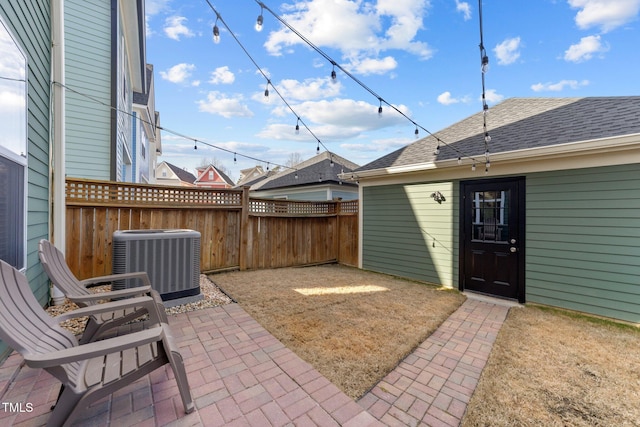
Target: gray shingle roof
{"points": [[312, 171], [182, 174], [521, 123]]}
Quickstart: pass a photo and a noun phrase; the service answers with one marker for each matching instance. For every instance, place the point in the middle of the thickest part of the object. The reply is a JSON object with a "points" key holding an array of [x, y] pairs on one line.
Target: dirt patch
{"points": [[550, 367], [353, 326]]}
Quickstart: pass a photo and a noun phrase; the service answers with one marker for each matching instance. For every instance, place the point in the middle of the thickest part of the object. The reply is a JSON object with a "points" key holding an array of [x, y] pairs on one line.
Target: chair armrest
{"points": [[97, 281], [147, 302], [95, 348], [109, 295]]}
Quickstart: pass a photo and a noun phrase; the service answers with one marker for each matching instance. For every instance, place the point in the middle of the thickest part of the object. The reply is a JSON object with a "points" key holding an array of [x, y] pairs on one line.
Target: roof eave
{"points": [[604, 146]]}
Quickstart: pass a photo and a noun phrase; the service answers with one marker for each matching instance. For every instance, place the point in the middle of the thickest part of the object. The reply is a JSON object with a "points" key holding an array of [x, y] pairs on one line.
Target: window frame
{"points": [[20, 159]]}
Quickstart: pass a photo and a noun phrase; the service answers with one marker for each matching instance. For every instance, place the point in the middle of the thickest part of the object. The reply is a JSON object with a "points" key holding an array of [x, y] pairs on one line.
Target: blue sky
{"points": [[420, 56]]}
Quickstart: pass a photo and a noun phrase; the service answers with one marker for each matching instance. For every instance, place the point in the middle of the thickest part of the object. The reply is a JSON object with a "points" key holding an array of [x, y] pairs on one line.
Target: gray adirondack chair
{"points": [[91, 371], [55, 265]]}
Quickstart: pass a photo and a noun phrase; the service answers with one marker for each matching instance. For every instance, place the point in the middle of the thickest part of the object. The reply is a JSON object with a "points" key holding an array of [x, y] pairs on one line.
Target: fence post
{"points": [[244, 229]]}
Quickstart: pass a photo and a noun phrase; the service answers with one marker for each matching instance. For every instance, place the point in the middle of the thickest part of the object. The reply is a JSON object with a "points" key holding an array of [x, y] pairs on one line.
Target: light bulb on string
{"points": [[459, 160], [216, 33], [259, 21], [298, 126], [380, 108], [266, 91], [334, 76], [437, 150], [416, 133], [195, 145], [318, 148], [485, 64], [296, 175], [235, 159], [473, 167], [487, 137]]}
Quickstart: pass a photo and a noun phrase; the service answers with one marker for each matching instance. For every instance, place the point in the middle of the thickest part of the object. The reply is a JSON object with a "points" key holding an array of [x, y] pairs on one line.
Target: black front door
{"points": [[492, 234]]}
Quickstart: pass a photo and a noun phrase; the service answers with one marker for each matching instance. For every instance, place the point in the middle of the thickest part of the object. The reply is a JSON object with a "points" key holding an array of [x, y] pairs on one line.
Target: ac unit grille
{"points": [[171, 258]]}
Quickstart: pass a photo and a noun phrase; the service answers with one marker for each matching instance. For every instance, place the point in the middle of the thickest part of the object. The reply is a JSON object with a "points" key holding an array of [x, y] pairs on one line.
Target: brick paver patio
{"points": [[240, 375]]}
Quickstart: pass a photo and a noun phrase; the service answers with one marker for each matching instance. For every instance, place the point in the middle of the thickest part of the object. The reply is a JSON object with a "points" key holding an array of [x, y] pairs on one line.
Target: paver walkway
{"points": [[240, 375]]}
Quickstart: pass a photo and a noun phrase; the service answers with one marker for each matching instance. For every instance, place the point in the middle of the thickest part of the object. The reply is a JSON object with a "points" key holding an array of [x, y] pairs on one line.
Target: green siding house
{"points": [[315, 179], [109, 91], [547, 211], [25, 43]]}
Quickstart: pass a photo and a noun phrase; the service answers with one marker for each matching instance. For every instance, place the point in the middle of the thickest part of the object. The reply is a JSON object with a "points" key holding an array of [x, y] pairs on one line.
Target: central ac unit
{"points": [[171, 258]]}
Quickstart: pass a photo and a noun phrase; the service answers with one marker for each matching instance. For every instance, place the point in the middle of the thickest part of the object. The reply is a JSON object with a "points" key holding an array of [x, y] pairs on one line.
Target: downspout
{"points": [[57, 144]]}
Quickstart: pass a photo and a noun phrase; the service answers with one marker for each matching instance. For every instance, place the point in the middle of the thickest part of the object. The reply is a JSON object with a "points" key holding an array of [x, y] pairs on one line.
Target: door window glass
{"points": [[490, 221]]}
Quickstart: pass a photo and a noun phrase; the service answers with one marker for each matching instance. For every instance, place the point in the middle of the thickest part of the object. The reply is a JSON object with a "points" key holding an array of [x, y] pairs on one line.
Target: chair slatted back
{"points": [[24, 324], [55, 265]]}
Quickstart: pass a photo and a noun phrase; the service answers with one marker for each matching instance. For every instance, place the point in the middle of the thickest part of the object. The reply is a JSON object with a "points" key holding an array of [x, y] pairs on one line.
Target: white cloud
{"points": [[222, 75], [606, 14], [465, 8], [445, 98], [309, 89], [174, 27], [508, 52], [355, 28], [335, 120], [153, 7], [585, 49], [227, 107], [179, 73], [372, 65], [493, 97], [558, 86]]}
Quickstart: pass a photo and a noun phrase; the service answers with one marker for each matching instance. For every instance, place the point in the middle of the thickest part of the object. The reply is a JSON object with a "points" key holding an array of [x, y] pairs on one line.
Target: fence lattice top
{"points": [[83, 192]]}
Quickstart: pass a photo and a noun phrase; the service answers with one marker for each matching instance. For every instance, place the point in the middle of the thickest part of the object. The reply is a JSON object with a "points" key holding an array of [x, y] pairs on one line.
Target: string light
{"points": [[298, 126], [416, 133], [484, 67], [274, 88], [437, 150], [355, 79], [334, 76], [235, 159], [173, 132], [216, 31], [195, 145], [260, 20]]}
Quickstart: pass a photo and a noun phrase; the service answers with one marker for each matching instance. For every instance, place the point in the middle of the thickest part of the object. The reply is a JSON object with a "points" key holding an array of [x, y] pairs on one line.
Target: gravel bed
{"points": [[213, 297]]}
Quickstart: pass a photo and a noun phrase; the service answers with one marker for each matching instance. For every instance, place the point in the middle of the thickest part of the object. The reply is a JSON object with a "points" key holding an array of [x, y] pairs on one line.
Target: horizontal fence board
{"points": [[279, 233]]}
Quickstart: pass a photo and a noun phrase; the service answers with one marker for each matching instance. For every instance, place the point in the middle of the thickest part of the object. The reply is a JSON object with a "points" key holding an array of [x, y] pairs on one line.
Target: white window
{"points": [[13, 149]]}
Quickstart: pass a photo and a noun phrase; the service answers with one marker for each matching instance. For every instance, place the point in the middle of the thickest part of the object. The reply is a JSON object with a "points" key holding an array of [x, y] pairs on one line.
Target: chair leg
{"points": [[65, 408], [177, 364]]}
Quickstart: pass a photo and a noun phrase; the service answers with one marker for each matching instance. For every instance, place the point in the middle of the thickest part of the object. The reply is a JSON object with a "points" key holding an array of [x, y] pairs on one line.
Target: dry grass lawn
{"points": [[353, 326], [555, 368]]}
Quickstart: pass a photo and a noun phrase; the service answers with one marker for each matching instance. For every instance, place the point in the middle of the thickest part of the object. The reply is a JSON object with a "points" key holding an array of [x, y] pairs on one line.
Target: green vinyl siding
{"points": [[29, 21], [88, 72], [583, 240], [407, 233]]}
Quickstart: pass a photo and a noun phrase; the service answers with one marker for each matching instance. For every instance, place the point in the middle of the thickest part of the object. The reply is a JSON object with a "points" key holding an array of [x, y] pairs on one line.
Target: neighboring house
{"points": [[145, 143], [313, 180], [556, 220], [25, 65], [105, 54], [168, 174], [250, 176], [212, 177]]}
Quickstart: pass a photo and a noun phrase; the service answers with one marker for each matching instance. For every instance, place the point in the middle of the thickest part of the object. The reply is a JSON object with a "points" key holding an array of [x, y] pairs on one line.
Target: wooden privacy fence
{"points": [[236, 231]]}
